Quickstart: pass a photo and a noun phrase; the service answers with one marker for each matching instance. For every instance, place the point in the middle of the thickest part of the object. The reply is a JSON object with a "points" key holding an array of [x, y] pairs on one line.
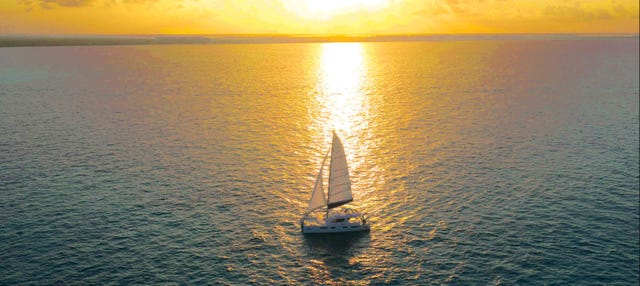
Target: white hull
{"points": [[344, 220], [335, 228]]}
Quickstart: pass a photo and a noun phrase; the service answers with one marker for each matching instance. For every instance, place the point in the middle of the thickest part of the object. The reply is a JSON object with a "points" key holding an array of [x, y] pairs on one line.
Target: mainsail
{"points": [[339, 184], [317, 196]]}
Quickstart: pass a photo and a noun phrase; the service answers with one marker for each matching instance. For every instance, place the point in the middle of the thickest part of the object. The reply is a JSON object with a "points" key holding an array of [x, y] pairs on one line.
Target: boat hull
{"points": [[335, 228], [335, 221]]}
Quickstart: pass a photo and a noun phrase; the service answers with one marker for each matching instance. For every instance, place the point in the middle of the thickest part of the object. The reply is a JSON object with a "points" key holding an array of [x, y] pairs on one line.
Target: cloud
{"points": [[68, 3], [435, 8], [460, 8], [620, 10], [563, 12], [51, 4], [577, 12]]}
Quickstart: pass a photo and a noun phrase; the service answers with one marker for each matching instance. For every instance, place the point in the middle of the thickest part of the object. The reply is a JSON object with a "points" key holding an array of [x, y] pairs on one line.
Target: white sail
{"points": [[317, 196], [339, 183]]}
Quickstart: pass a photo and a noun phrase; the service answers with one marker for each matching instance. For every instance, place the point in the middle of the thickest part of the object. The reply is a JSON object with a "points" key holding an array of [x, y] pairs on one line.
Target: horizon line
{"points": [[42, 40], [320, 34]]}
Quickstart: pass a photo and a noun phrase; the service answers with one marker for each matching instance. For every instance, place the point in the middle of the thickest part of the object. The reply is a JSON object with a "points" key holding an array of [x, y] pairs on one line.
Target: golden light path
{"points": [[341, 93], [346, 100]]}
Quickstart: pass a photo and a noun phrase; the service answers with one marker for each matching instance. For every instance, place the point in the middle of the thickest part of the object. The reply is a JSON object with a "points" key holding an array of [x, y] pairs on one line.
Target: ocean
{"points": [[479, 161]]}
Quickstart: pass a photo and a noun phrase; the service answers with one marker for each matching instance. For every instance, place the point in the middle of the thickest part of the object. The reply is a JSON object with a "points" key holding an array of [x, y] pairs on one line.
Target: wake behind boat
{"points": [[333, 220]]}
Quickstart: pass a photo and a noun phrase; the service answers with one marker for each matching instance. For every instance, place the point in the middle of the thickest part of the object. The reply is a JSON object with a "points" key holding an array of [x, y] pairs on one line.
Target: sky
{"points": [[321, 17]]}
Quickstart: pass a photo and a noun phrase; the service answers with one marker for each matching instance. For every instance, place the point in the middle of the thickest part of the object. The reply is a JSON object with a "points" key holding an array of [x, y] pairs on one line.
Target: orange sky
{"points": [[316, 16]]}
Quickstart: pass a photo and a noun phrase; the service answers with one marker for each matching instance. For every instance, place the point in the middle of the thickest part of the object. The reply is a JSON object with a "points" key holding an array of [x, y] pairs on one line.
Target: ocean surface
{"points": [[480, 162]]}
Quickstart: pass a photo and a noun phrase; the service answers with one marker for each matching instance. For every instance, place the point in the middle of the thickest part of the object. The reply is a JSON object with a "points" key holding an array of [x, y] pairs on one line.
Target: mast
{"points": [[330, 176]]}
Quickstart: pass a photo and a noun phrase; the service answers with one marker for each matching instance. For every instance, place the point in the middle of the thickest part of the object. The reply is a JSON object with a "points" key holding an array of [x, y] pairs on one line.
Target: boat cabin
{"points": [[343, 220]]}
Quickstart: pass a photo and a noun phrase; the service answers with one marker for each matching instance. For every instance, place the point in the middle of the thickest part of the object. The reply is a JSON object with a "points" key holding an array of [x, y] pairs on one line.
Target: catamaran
{"points": [[333, 220]]}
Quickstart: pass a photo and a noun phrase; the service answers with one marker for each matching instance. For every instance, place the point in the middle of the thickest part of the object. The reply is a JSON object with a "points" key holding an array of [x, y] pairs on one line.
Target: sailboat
{"points": [[333, 219]]}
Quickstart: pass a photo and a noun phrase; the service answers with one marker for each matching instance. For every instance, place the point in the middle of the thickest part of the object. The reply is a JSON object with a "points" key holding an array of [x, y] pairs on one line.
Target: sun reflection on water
{"points": [[342, 98], [341, 93], [342, 75]]}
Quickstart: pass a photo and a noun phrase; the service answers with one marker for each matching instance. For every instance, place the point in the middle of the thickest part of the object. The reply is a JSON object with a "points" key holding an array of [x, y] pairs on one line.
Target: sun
{"points": [[327, 9]]}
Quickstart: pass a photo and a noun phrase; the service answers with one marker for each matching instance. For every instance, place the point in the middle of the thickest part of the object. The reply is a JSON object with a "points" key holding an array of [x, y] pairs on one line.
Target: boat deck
{"points": [[344, 220]]}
